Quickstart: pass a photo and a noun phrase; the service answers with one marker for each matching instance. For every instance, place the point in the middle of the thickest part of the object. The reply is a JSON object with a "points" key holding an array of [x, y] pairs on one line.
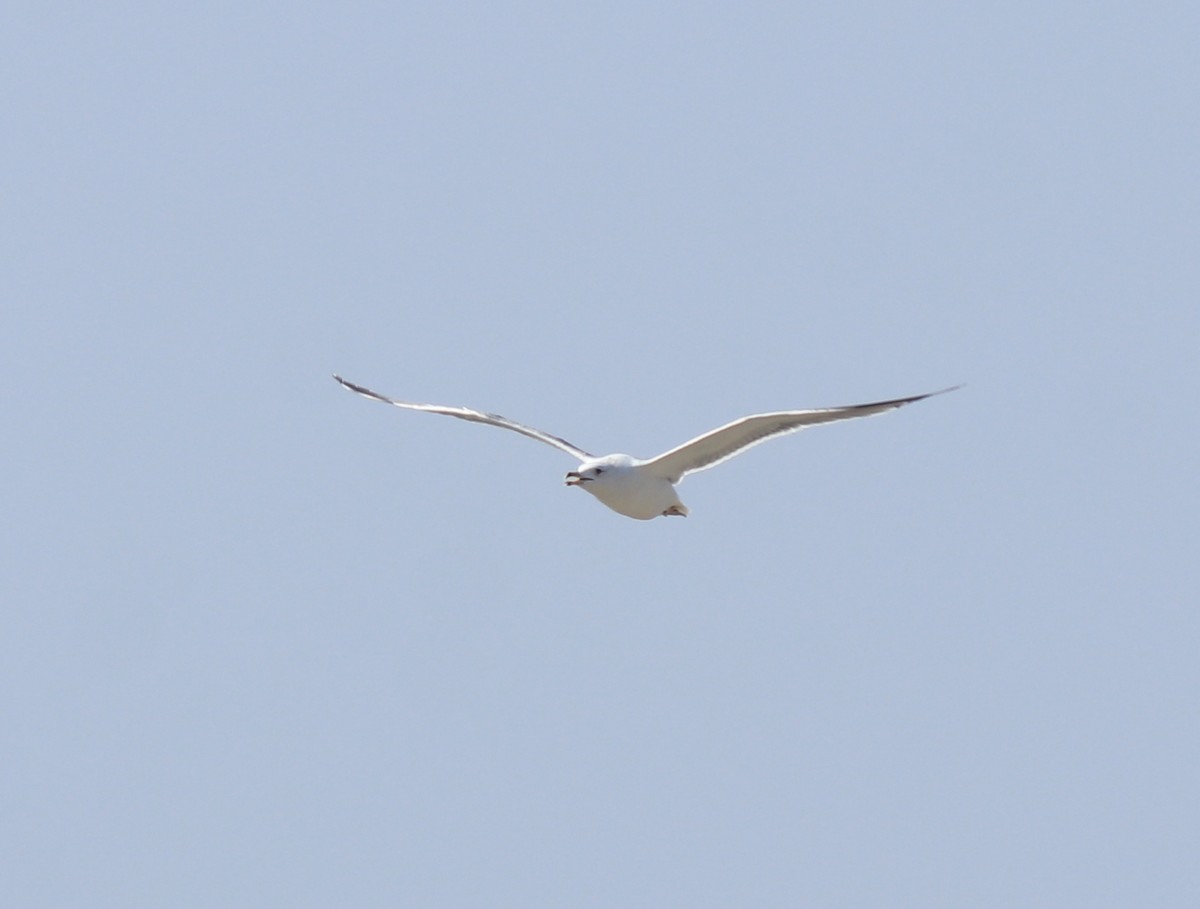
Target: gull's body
{"points": [[645, 489], [628, 486]]}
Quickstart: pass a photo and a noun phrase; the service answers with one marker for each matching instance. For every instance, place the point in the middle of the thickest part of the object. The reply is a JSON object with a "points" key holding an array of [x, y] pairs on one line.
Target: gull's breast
{"points": [[637, 495]]}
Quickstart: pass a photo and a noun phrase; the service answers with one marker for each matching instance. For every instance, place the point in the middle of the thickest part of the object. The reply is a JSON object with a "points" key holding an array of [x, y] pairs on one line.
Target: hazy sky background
{"points": [[266, 643]]}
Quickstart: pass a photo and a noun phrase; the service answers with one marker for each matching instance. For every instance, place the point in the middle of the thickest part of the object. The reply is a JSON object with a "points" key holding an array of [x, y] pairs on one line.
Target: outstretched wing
{"points": [[475, 416], [722, 444]]}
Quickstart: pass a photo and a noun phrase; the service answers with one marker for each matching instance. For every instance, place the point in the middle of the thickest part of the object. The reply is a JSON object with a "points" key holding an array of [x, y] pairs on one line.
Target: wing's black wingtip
{"points": [[345, 383], [901, 402], [943, 391], [929, 394], [364, 392]]}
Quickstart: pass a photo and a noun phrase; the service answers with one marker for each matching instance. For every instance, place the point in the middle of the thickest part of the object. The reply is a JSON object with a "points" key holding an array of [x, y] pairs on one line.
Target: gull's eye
{"points": [[599, 470]]}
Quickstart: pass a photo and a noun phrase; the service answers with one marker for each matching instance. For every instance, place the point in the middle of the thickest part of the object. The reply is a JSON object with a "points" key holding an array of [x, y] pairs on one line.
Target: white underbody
{"points": [[628, 487]]}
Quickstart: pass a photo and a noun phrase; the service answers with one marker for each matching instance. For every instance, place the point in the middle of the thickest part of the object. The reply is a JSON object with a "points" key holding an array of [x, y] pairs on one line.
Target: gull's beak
{"points": [[574, 479]]}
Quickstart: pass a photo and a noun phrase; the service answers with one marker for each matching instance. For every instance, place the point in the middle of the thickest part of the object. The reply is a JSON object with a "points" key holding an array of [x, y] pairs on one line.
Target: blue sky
{"points": [[268, 643]]}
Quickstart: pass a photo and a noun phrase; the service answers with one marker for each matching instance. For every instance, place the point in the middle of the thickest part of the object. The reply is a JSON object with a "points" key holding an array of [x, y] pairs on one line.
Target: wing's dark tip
{"points": [[900, 402], [362, 391], [944, 391]]}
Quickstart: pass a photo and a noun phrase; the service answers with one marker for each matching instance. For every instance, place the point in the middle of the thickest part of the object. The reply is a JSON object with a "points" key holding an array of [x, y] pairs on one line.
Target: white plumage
{"points": [[645, 489]]}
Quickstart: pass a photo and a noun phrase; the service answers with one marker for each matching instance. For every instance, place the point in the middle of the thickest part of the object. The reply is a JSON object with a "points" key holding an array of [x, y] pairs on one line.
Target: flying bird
{"points": [[645, 489]]}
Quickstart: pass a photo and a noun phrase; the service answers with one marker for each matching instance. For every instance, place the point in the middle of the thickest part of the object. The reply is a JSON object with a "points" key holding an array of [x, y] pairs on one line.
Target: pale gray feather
{"points": [[733, 438], [475, 416]]}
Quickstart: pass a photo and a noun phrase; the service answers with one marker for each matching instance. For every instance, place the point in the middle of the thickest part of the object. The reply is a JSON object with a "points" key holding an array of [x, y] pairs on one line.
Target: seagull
{"points": [[645, 489]]}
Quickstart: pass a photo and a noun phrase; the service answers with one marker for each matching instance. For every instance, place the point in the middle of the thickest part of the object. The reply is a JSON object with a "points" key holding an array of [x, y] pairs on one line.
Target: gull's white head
{"points": [[601, 472], [622, 483]]}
